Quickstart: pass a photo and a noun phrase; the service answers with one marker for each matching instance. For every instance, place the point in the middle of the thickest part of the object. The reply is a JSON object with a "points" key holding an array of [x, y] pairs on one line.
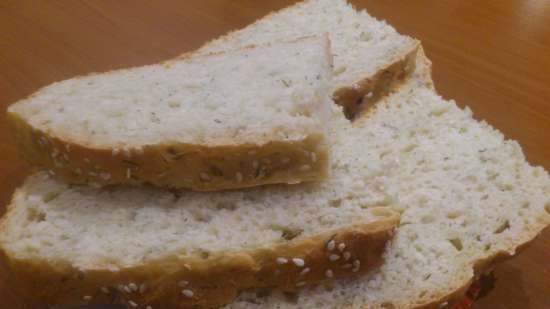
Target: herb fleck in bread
{"points": [[227, 120], [370, 57]]}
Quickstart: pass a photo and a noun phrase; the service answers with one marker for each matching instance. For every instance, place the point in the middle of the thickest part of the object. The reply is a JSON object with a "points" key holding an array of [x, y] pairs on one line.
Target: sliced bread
{"points": [[227, 120], [467, 198], [370, 57], [140, 247]]}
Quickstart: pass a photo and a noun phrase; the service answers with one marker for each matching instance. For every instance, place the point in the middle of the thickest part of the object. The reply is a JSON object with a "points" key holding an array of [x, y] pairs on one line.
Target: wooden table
{"points": [[492, 55]]}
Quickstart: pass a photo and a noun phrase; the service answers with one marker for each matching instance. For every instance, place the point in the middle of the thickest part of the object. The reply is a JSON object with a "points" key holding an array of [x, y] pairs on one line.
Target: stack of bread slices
{"points": [[304, 161]]}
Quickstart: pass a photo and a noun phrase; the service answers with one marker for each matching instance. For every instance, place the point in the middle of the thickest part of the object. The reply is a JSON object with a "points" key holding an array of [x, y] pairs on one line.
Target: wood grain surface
{"points": [[491, 55]]}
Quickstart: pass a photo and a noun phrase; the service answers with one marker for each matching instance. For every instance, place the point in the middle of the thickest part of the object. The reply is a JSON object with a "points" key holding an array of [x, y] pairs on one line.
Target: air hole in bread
{"points": [[291, 297], [457, 243], [35, 215], [503, 227], [422, 294], [335, 203], [50, 196]]}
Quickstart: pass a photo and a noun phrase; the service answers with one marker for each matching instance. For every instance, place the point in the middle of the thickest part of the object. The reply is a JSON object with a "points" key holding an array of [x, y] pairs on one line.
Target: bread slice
{"points": [[227, 120], [140, 246], [467, 198], [370, 57]]}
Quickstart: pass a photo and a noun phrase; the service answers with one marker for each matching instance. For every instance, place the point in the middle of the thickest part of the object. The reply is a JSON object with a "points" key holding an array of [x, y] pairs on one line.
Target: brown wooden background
{"points": [[493, 55]]}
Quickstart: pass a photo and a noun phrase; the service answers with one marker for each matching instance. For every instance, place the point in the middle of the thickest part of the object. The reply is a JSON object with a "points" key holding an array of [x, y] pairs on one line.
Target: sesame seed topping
{"points": [[282, 260], [87, 298], [369, 95], [239, 177], [105, 290], [298, 262], [120, 287], [187, 293], [313, 156], [305, 271], [301, 283], [115, 151], [143, 288], [347, 255], [255, 164], [128, 173], [94, 174], [356, 266], [183, 283], [333, 257], [55, 152], [133, 304], [443, 305], [305, 168], [51, 172], [341, 247], [331, 245], [329, 273], [204, 176], [66, 157], [127, 289]]}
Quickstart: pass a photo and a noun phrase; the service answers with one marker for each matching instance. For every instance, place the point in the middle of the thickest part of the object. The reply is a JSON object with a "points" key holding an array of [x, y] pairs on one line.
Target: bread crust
{"points": [[208, 281]]}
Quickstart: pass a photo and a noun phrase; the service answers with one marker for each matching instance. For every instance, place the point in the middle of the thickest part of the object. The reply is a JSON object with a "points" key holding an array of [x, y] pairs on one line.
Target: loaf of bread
{"points": [[139, 246], [226, 120], [370, 57], [468, 199]]}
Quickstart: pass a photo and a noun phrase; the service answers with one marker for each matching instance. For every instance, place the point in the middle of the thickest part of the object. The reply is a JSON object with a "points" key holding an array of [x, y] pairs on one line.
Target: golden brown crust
{"points": [[209, 281], [366, 92], [175, 165]]}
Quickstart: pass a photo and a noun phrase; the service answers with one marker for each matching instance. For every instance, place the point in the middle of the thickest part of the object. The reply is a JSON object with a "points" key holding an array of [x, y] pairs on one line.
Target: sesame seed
{"points": [[333, 257], [305, 168], [87, 298], [120, 287], [369, 95], [143, 288], [183, 283], [204, 176], [94, 174], [305, 271], [51, 172], [115, 151], [331, 245], [127, 289], [356, 266], [128, 173], [133, 304], [255, 164], [443, 305], [66, 157], [239, 177], [329, 273], [285, 160], [313, 157], [105, 290], [55, 152], [341, 247], [282, 260], [187, 293], [347, 255], [298, 262], [301, 283]]}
